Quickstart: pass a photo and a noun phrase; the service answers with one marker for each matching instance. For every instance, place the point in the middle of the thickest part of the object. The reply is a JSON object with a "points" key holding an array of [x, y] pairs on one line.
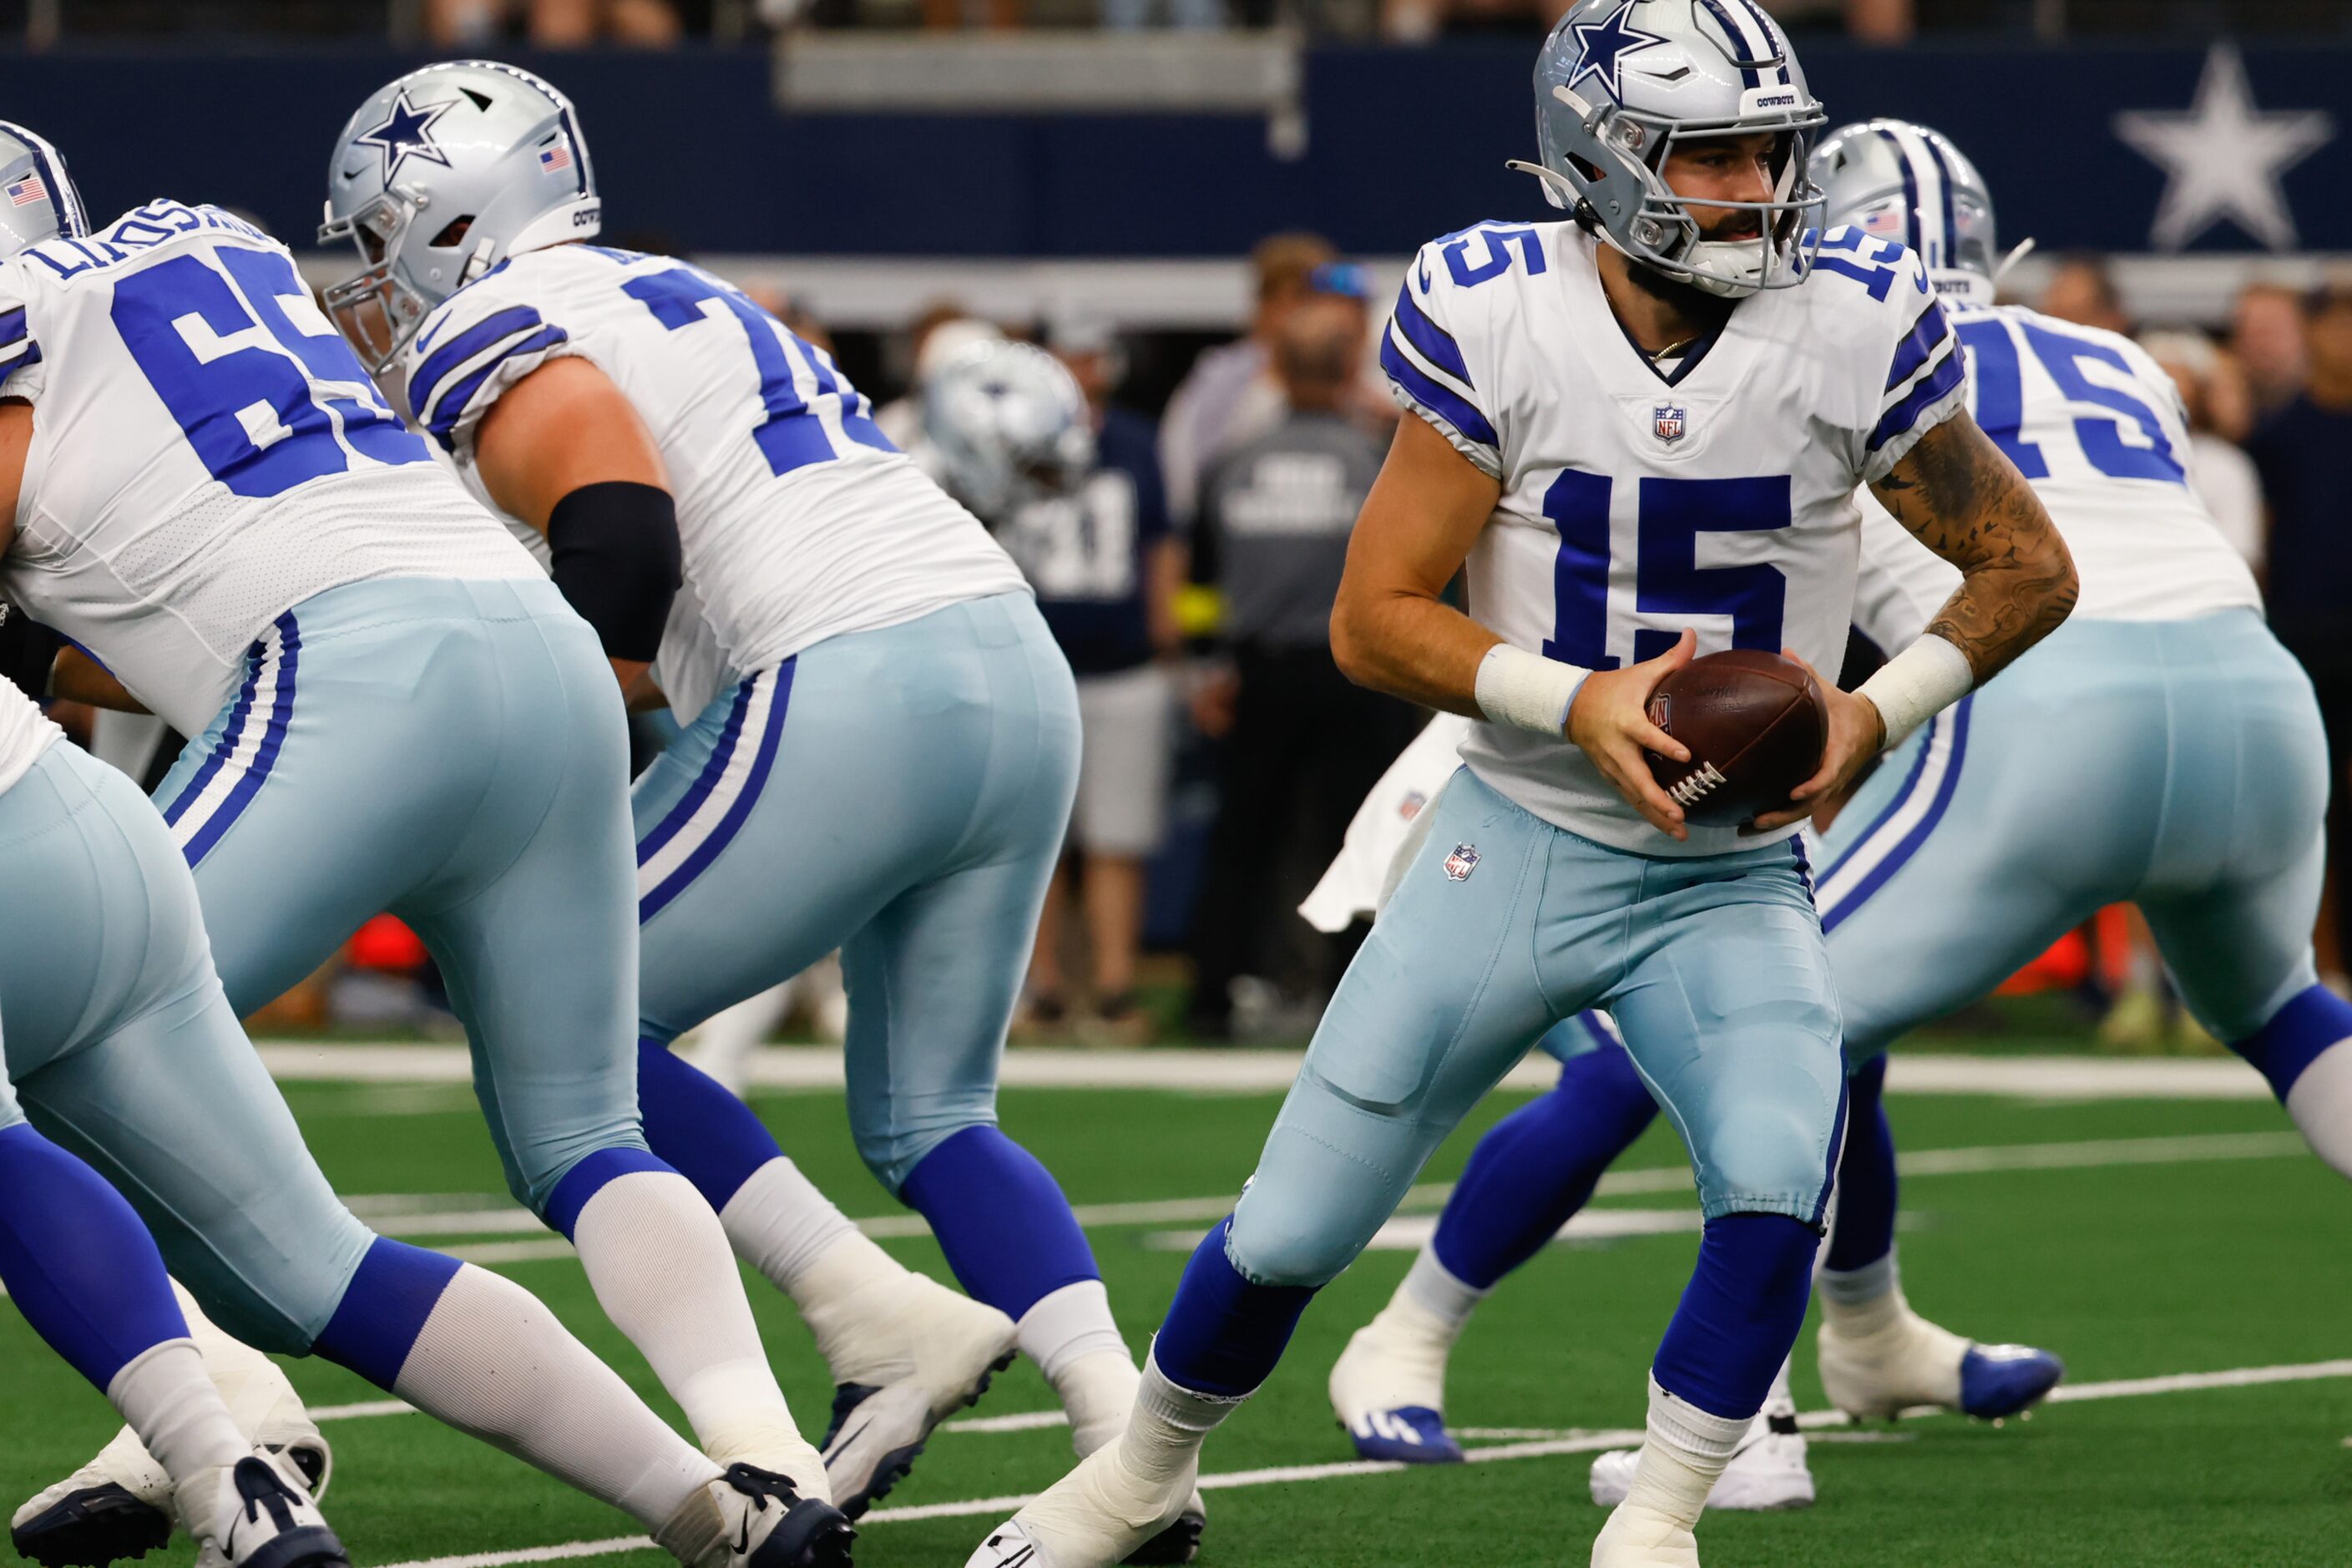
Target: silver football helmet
{"points": [[1901, 181], [1620, 82], [1007, 424], [38, 199], [438, 178]]}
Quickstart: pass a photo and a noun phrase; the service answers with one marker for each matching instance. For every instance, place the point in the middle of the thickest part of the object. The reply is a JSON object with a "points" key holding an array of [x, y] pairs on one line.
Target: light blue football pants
{"points": [[451, 752], [1712, 966], [900, 794], [2177, 764], [124, 1050]]}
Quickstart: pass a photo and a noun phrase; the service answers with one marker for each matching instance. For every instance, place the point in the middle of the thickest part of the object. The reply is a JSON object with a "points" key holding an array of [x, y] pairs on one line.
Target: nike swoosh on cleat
{"points": [[847, 1438]]}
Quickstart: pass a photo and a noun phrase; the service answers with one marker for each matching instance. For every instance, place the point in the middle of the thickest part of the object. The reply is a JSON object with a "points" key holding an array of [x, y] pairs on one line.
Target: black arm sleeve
{"points": [[27, 651], [617, 562]]}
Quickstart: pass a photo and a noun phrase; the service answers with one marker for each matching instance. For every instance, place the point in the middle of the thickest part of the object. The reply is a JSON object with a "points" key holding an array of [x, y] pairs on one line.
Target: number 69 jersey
{"points": [[797, 518], [1719, 496], [207, 453]]}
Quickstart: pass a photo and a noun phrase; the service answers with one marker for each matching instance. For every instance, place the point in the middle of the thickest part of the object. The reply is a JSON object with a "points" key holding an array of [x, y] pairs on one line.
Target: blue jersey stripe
{"points": [[12, 329], [452, 407], [1902, 853], [1933, 387], [444, 361], [1431, 342], [1927, 335], [8, 367], [1442, 401], [728, 825]]}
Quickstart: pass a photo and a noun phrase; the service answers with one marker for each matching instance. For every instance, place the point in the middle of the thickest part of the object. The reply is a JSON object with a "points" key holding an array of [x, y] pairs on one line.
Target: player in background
{"points": [[880, 736], [393, 708], [2192, 780], [1639, 434]]}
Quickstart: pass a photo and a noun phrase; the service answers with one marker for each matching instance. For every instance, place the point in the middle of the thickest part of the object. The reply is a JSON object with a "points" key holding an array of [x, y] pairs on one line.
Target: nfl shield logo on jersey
{"points": [[1462, 862], [1669, 420]]}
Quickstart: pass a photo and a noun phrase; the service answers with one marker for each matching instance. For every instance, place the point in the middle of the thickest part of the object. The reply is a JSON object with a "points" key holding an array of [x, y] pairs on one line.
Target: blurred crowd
{"points": [[659, 23]]}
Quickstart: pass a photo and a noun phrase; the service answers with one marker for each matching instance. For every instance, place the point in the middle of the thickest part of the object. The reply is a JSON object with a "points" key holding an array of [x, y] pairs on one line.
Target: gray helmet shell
{"points": [[38, 198], [441, 175], [1007, 424], [1901, 181], [1620, 82]]}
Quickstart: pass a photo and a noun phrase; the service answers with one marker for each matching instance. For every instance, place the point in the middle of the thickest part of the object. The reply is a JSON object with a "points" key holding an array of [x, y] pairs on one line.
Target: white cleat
{"points": [[1387, 1389], [119, 1506], [1092, 1518], [770, 1524], [1642, 1538], [1909, 1362], [942, 1348], [257, 1513], [1767, 1473]]}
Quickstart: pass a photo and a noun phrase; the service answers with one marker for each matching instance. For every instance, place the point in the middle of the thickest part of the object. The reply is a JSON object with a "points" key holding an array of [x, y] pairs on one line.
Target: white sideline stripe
{"points": [[1537, 1448], [1201, 1071], [1027, 1421], [363, 1409], [2086, 1154]]}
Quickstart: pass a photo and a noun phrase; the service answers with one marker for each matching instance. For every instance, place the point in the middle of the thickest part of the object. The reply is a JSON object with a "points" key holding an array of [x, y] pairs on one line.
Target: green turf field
{"points": [[2135, 1260]]}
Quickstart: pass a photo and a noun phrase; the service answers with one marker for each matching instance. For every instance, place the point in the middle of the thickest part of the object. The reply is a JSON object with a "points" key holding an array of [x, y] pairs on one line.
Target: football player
{"points": [[393, 708], [1639, 434], [880, 735], [2192, 781]]}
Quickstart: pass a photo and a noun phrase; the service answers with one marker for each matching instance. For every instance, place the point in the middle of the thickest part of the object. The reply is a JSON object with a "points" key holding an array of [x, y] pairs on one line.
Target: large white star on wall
{"points": [[2223, 159]]}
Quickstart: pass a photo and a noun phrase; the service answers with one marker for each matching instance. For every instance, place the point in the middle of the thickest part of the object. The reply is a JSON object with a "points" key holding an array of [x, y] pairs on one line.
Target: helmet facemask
{"points": [[378, 309]]}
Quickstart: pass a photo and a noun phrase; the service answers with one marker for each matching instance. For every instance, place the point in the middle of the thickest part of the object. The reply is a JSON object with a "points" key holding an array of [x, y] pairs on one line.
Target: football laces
{"points": [[1696, 784]]}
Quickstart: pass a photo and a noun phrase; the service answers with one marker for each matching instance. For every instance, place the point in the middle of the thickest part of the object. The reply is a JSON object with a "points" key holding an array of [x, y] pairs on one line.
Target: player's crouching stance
{"points": [[393, 708], [1626, 423], [880, 736]]}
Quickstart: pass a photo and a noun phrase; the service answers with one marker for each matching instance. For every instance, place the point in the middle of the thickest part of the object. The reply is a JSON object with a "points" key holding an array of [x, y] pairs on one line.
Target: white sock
{"points": [[2321, 1103], [252, 1384], [1071, 1336], [165, 1395], [493, 1362], [1440, 1297], [781, 1224], [1862, 1301], [661, 1268], [1168, 1424], [1685, 1451], [837, 1295]]}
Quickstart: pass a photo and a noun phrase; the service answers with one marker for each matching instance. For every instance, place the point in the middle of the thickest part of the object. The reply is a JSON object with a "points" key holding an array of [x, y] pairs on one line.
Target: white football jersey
{"points": [[2095, 426], [798, 519], [1388, 829], [1634, 502], [206, 454], [24, 734]]}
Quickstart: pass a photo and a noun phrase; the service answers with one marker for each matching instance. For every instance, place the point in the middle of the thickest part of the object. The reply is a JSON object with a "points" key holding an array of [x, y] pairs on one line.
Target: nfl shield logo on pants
{"points": [[1668, 420], [1462, 862]]}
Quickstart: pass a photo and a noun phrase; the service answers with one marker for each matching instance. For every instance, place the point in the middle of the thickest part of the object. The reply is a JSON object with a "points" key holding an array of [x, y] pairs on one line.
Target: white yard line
{"points": [[1540, 1443], [2087, 1154], [1204, 1071]]}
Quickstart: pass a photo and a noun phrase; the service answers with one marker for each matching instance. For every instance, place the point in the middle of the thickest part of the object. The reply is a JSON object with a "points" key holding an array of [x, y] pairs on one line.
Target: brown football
{"points": [[1755, 724]]}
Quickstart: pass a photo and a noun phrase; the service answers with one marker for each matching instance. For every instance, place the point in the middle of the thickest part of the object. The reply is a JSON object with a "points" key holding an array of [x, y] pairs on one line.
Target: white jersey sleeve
{"points": [[1426, 351], [20, 351], [797, 518], [1388, 829], [1903, 329]]}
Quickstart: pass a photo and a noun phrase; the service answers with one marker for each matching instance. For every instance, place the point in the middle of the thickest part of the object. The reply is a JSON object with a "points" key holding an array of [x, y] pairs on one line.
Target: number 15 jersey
{"points": [[206, 454], [1719, 496], [798, 520]]}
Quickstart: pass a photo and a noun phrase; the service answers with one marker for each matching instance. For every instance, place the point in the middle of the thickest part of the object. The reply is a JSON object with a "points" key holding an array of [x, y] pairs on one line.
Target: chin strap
{"points": [[1556, 189], [2024, 248]]}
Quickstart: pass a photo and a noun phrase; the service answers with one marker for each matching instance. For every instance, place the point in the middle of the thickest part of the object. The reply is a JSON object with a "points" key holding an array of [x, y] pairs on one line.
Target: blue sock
{"points": [[384, 1310], [2313, 1019], [1864, 1228], [78, 1262], [1000, 1218], [1537, 1167], [1224, 1334], [700, 1131], [1739, 1314]]}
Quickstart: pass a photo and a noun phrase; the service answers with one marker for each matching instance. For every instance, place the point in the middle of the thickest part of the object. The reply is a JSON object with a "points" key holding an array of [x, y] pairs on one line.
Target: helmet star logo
{"points": [[1601, 47], [407, 132]]}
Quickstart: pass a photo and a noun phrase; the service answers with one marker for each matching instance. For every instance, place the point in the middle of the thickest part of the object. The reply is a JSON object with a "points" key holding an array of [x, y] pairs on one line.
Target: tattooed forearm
{"points": [[1966, 501]]}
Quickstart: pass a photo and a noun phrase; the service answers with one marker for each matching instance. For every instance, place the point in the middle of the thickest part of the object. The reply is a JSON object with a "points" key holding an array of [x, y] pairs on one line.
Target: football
{"points": [[1755, 724]]}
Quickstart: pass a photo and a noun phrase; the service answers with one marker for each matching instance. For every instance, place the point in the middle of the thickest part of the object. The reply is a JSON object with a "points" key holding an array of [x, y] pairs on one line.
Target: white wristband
{"points": [[1918, 684], [1526, 690]]}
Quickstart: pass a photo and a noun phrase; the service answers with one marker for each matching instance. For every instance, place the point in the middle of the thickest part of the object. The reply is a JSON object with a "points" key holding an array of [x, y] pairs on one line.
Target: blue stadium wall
{"points": [[1402, 145]]}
